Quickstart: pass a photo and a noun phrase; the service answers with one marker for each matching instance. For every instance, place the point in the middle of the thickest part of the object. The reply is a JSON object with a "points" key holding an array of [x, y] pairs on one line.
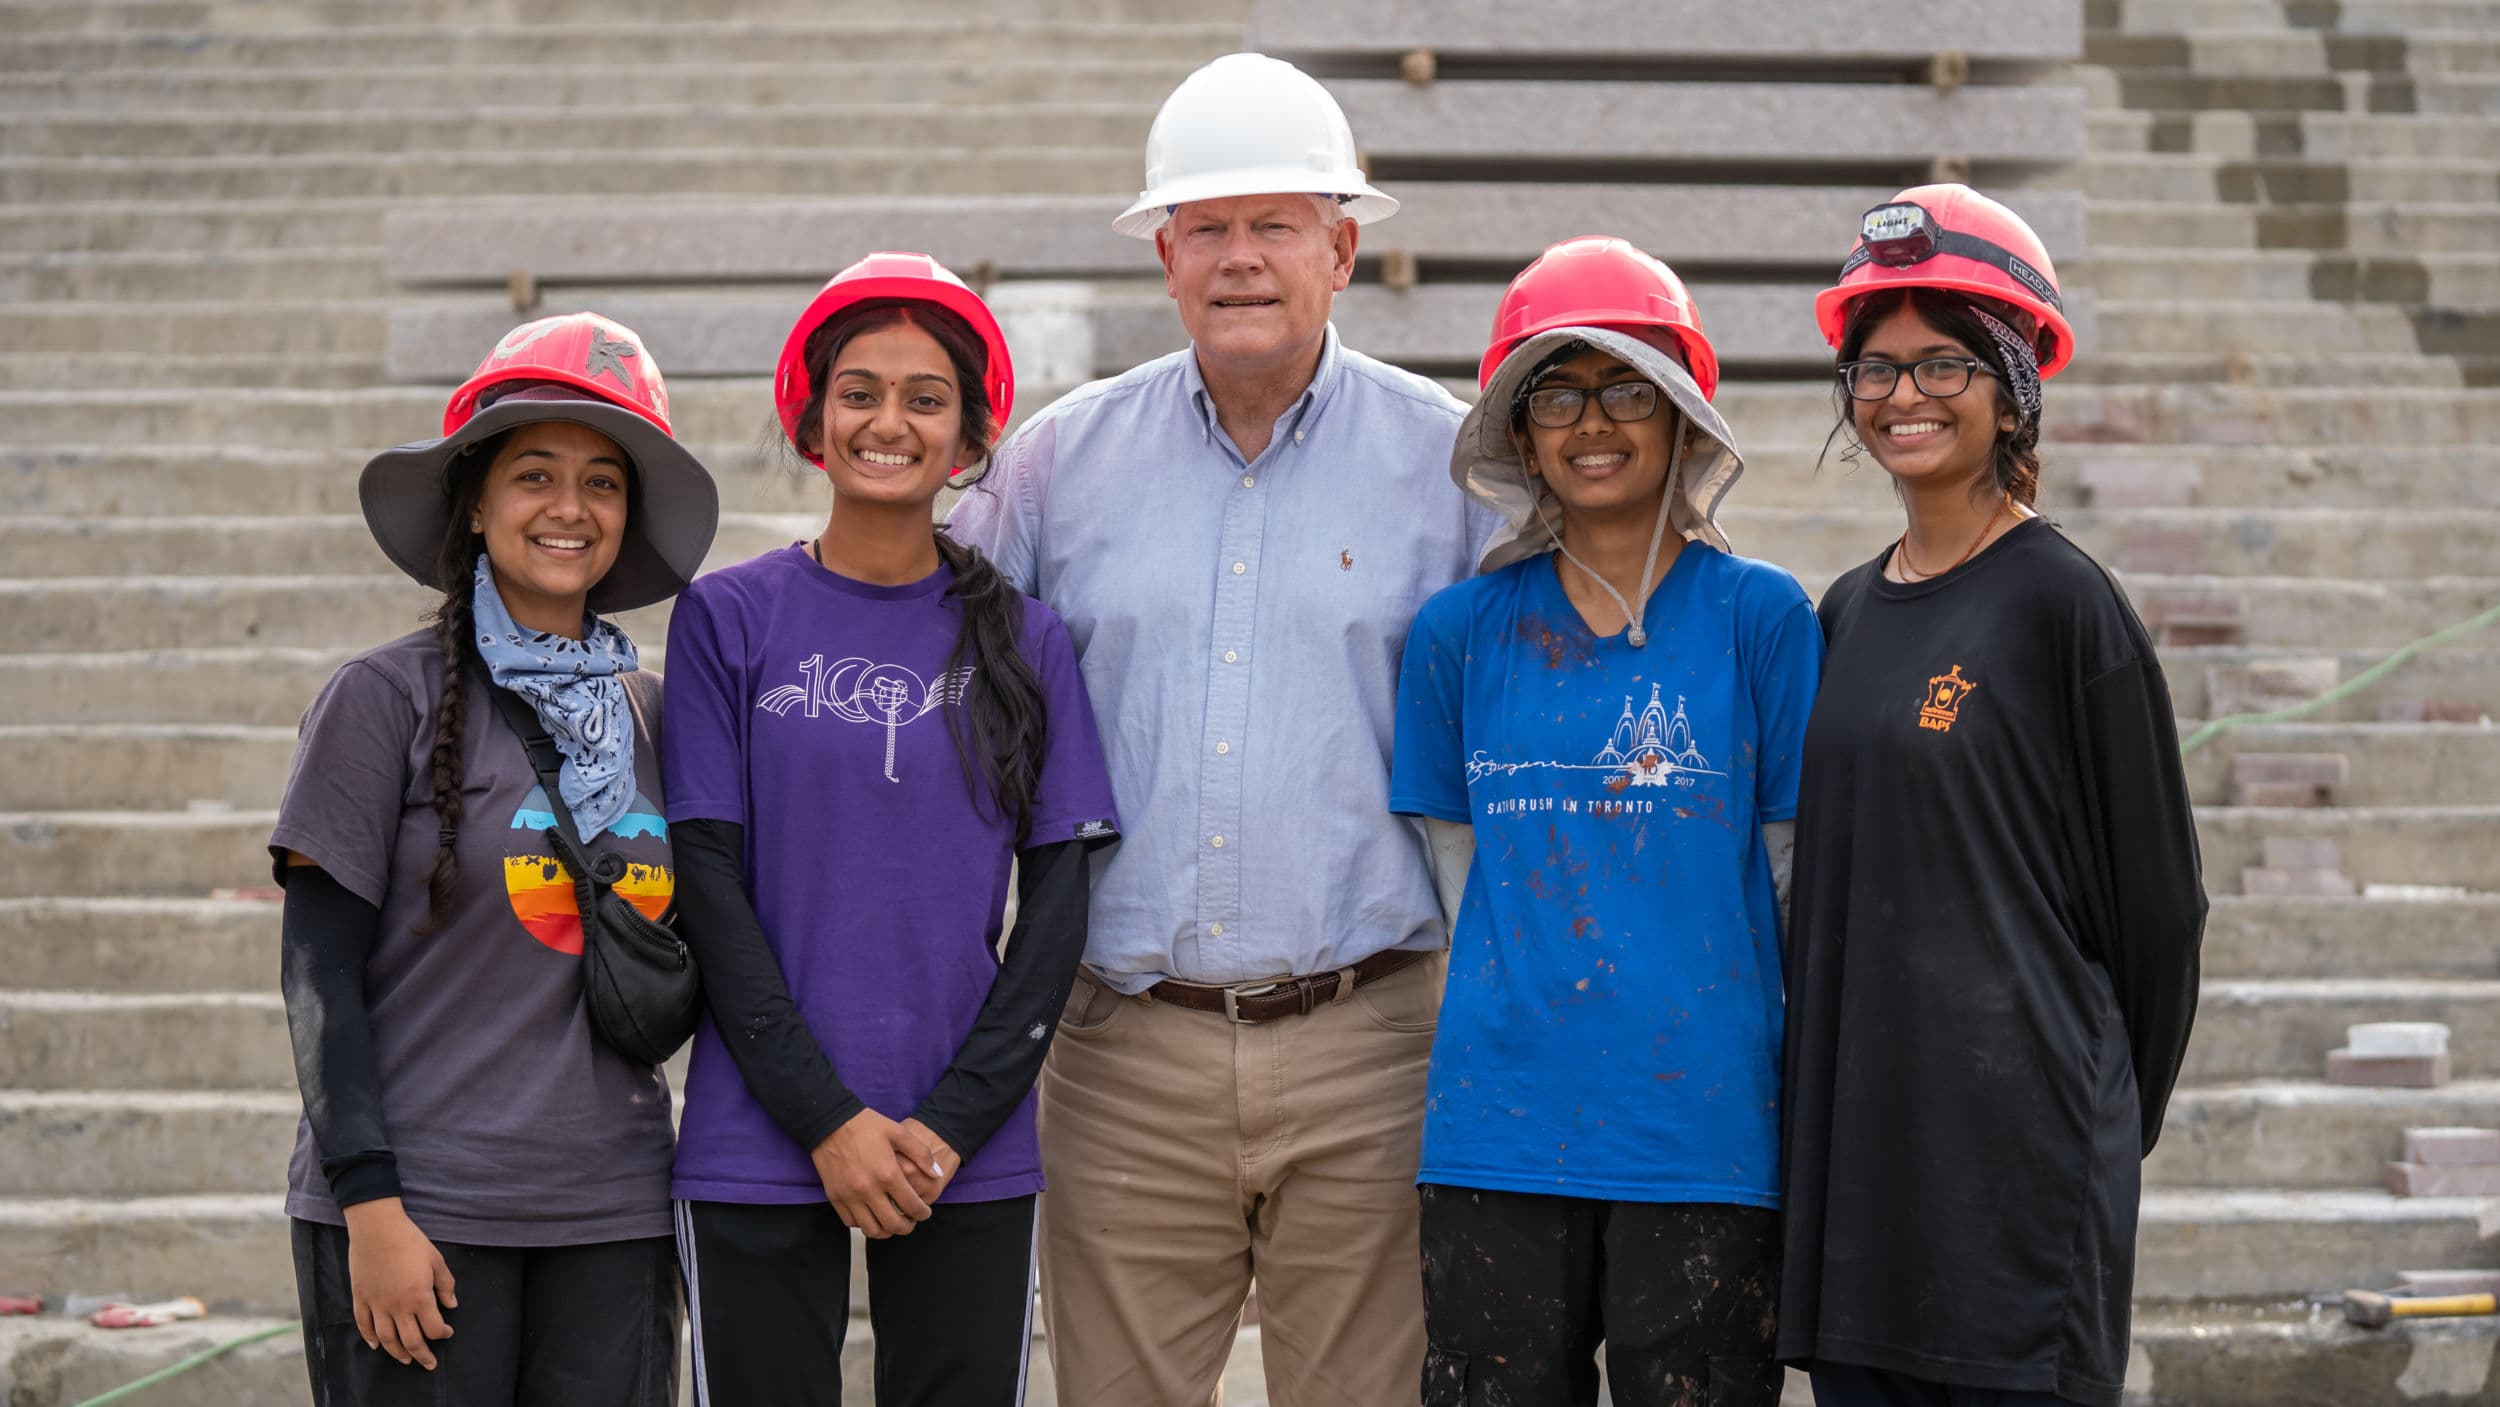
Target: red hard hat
{"points": [[1951, 237], [891, 275], [582, 350], [1599, 281]]}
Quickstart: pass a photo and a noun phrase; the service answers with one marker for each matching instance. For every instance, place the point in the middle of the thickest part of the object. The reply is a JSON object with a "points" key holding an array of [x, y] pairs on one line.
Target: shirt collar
{"points": [[1306, 408]]}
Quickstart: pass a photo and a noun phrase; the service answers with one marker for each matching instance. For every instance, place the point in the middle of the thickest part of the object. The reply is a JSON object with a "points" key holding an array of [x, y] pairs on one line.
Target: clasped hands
{"points": [[881, 1176]]}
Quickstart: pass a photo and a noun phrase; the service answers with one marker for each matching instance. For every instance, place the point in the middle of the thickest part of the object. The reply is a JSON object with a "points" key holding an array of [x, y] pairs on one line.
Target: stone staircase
{"points": [[2283, 435]]}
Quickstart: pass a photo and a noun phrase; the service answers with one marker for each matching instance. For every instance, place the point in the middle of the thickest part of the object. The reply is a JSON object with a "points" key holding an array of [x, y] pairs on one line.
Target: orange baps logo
{"points": [[1943, 701]]}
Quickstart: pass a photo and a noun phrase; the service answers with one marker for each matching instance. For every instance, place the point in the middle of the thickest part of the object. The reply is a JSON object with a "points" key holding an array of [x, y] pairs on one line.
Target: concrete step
{"points": [[684, 39], [456, 87], [264, 685], [144, 854], [2391, 764], [2413, 370], [2204, 1243], [559, 172], [2262, 938], [308, 327], [2274, 51], [70, 766], [2205, 325], [2294, 276], [192, 276], [230, 1250], [149, 229], [2273, 1354], [56, 1362], [2282, 1028], [2216, 679], [326, 543], [147, 1143], [359, 130], [2360, 228], [197, 1041], [112, 16], [2301, 1133], [119, 946], [203, 372], [2171, 89], [2198, 179], [2317, 136], [2418, 845], [2345, 16]]}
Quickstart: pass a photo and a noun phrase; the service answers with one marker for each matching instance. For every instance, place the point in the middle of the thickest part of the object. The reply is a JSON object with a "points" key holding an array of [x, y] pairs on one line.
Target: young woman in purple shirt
{"points": [[872, 729]]}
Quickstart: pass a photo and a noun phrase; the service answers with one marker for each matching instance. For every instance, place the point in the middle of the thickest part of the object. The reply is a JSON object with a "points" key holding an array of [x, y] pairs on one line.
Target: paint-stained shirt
{"points": [[1993, 973], [1239, 623], [1611, 1026], [512, 1124], [812, 710]]}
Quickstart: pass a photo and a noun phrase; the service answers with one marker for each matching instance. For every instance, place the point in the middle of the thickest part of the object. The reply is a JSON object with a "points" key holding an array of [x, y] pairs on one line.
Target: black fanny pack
{"points": [[645, 995]]}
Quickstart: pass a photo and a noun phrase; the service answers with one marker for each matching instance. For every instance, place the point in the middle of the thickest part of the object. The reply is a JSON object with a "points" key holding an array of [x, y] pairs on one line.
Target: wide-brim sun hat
{"points": [[586, 370], [1247, 124], [1486, 462]]}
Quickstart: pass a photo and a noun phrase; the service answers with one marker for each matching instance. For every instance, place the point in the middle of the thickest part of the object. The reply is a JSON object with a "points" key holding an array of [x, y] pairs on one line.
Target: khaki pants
{"points": [[1186, 1154]]}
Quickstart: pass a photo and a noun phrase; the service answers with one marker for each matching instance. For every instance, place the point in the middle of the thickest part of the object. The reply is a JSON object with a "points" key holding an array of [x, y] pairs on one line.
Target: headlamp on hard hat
{"points": [[1903, 234], [1897, 236]]}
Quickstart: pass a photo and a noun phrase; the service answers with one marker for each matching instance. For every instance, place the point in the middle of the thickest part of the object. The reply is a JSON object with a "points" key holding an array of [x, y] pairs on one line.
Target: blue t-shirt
{"points": [[1612, 1022]]}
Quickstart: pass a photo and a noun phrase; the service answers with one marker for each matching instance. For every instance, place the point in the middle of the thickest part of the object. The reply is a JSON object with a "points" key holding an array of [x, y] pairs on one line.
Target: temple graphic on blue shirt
{"points": [[1654, 746]]}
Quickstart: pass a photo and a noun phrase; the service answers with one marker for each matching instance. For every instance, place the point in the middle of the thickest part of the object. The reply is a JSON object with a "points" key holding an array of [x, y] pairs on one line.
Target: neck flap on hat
{"points": [[573, 686]]}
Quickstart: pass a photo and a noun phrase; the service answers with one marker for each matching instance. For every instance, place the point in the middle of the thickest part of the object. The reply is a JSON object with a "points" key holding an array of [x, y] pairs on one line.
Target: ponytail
{"points": [[1002, 723]]}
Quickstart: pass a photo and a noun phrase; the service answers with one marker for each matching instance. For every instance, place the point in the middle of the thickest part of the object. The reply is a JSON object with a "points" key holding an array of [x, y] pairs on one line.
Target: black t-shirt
{"points": [[1991, 975]]}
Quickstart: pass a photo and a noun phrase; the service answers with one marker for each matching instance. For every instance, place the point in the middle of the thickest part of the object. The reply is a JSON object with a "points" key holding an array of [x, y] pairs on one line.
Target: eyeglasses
{"points": [[1936, 376], [1554, 407]]}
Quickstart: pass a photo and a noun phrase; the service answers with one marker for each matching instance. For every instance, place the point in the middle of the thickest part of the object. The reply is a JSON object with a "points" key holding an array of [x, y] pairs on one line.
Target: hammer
{"points": [[2374, 1311]]}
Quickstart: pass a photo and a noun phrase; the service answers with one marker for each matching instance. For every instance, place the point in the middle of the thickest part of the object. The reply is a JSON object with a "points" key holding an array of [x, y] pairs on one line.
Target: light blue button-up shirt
{"points": [[1240, 625]]}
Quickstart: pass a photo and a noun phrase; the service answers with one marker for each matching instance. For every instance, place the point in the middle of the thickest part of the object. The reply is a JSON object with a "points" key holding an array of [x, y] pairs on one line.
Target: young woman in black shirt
{"points": [[1993, 953]]}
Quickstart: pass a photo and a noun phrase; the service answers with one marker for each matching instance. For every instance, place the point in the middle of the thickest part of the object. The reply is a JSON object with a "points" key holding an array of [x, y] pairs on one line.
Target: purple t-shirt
{"points": [[811, 709]]}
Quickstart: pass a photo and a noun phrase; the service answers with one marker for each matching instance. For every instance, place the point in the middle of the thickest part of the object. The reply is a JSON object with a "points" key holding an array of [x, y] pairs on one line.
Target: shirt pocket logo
{"points": [[1941, 706]]}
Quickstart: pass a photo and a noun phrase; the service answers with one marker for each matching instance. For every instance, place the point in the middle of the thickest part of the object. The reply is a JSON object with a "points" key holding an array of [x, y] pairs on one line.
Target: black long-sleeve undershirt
{"points": [[789, 1073], [326, 936]]}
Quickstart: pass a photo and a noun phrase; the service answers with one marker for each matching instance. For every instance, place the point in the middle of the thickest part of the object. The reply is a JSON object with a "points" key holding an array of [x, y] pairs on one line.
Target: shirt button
{"points": [[1240, 567], [1218, 842], [1223, 748], [1215, 930], [1249, 481], [1297, 437], [1232, 657]]}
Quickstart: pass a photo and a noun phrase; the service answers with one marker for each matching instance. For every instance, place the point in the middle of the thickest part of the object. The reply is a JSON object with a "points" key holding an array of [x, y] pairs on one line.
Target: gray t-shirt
{"points": [[513, 1125]]}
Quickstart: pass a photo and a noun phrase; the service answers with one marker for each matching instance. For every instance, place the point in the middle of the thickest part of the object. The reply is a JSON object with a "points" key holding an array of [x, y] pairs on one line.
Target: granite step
{"points": [[2194, 179], [2344, 16], [185, 275], [2317, 136], [330, 543], [2455, 937], [2409, 845], [2291, 371], [2282, 1028], [2207, 1243], [192, 1041], [116, 16], [2296, 276], [127, 947], [2304, 1134], [133, 854], [2389, 764], [147, 1143], [2352, 227], [2206, 680]]}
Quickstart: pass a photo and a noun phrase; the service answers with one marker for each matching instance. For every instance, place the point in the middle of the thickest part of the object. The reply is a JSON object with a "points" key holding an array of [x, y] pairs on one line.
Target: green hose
{"points": [[176, 1370], [2345, 690]]}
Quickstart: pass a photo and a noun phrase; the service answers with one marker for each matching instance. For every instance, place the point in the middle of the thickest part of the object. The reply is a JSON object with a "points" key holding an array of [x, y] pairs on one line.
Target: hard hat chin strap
{"points": [[1635, 634]]}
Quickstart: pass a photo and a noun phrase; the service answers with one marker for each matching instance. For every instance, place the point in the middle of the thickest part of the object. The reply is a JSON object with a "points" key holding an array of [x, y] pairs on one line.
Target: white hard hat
{"points": [[1247, 124]]}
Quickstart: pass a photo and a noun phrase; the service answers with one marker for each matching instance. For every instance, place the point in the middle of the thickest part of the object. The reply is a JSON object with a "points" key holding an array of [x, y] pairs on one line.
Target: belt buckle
{"points": [[1233, 996]]}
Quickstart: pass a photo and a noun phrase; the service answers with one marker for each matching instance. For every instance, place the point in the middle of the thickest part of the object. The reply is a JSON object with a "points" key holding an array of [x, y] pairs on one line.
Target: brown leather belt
{"points": [[1256, 1003]]}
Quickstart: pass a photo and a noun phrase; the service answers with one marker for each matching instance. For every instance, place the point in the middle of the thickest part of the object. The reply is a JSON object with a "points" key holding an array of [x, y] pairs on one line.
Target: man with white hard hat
{"points": [[1237, 536]]}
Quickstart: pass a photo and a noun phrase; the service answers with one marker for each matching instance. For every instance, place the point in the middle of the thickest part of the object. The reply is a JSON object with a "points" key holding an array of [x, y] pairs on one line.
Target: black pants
{"points": [[1847, 1385], [1519, 1291], [770, 1291], [537, 1326]]}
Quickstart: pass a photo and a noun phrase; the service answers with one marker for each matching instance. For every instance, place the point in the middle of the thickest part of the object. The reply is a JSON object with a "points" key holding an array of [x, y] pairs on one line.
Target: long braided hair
{"points": [[1001, 726], [455, 566]]}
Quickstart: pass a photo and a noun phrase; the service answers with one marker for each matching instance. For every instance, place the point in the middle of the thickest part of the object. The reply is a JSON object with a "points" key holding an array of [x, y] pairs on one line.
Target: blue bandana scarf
{"points": [[580, 700]]}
